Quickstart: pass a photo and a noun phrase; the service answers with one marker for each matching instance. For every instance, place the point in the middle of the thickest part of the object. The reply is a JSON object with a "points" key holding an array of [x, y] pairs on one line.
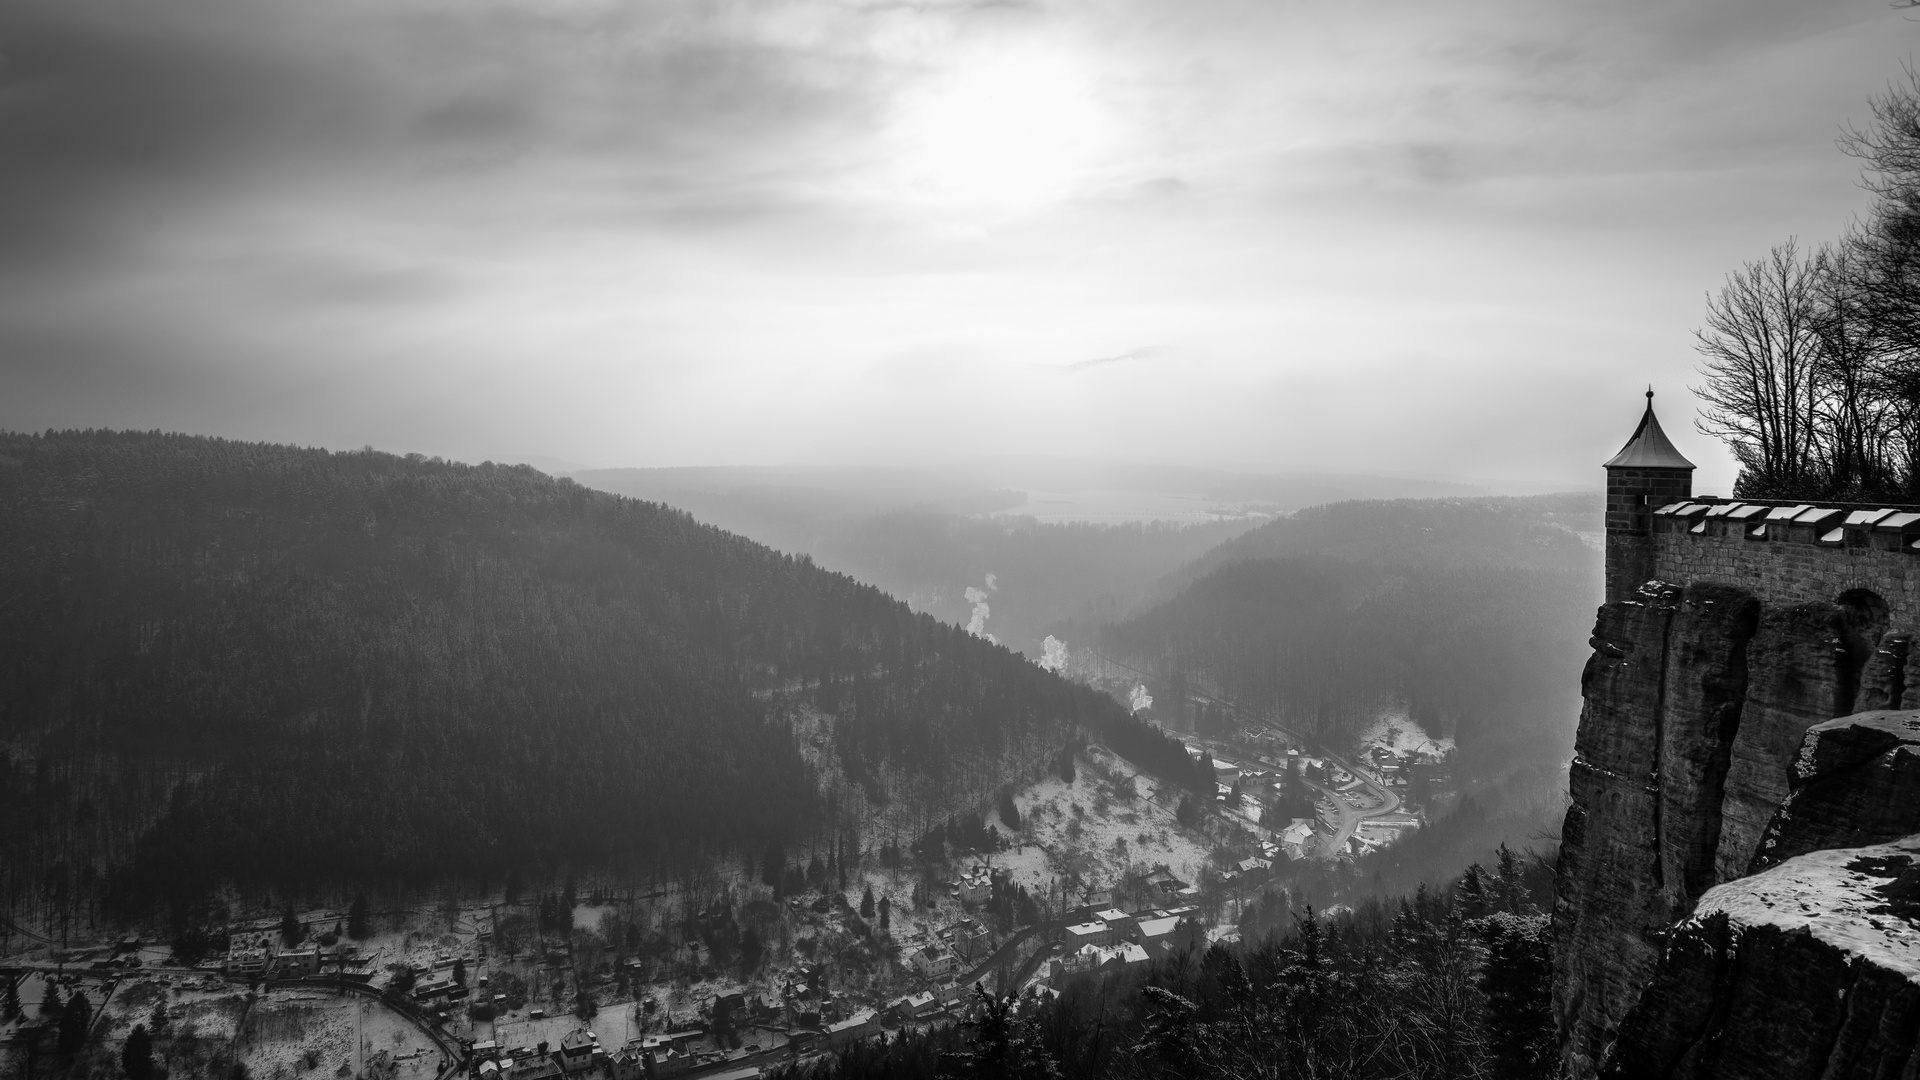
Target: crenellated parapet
{"points": [[1786, 552]]}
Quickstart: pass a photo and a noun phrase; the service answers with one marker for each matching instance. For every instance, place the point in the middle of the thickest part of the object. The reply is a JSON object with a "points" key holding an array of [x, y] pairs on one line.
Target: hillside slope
{"points": [[289, 667], [1470, 615]]}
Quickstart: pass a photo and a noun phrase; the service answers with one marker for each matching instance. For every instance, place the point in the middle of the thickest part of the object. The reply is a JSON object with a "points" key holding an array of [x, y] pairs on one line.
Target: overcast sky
{"points": [[1412, 237]]}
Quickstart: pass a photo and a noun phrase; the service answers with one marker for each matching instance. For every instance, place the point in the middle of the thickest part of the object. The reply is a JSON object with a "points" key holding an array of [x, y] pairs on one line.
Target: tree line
{"points": [[1448, 983]]}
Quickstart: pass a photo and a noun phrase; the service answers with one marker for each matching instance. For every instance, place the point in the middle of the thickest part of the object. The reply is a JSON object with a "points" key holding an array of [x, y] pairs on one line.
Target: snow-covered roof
{"points": [[862, 1017], [1153, 928]]}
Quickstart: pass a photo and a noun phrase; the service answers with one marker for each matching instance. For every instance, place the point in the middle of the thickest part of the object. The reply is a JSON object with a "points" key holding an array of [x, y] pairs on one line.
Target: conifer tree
{"points": [[10, 1002], [158, 1023], [1009, 811], [357, 925], [866, 903], [50, 1004], [1510, 886], [751, 950], [291, 928], [885, 908], [75, 1019], [136, 1056], [1518, 982], [1472, 896]]}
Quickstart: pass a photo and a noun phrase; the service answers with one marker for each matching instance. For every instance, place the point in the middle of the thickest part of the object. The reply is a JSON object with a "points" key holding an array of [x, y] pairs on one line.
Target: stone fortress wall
{"points": [[1791, 552]]}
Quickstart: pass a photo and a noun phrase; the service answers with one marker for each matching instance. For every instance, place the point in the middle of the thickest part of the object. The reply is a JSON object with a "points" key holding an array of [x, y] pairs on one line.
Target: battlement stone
{"points": [[1786, 552]]}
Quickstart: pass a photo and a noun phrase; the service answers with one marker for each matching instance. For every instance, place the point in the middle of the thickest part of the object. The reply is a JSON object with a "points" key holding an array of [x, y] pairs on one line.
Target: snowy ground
{"points": [[290, 1033]]}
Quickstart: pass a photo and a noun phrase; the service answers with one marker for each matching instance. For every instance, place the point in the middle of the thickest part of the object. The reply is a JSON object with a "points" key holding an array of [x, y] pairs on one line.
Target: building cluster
{"points": [[1114, 938], [580, 1056], [257, 954]]}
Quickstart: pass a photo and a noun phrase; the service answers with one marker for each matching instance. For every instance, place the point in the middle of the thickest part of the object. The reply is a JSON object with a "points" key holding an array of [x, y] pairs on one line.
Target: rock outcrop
{"points": [[1704, 756], [1856, 781], [1809, 970]]}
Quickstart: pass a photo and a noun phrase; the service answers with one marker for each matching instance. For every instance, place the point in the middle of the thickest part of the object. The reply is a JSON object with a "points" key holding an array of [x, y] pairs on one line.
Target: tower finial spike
{"points": [[1649, 394]]}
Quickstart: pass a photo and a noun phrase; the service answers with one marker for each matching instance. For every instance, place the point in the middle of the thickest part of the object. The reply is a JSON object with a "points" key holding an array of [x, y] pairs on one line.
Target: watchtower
{"points": [[1646, 474]]}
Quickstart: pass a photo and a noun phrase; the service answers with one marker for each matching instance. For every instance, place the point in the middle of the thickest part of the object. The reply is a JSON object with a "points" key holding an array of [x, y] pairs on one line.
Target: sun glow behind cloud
{"points": [[1000, 128], [1384, 237]]}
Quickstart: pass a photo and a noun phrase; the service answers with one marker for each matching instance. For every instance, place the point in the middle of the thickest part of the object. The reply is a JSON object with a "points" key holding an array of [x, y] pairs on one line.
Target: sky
{"points": [[1454, 239]]}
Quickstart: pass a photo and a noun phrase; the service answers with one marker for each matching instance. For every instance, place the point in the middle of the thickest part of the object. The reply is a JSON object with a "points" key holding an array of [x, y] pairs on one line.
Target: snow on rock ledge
{"points": [[1806, 971]]}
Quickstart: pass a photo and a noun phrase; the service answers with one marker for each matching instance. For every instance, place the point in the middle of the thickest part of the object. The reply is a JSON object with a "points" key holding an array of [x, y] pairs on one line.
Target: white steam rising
{"points": [[1055, 658], [1139, 699], [977, 624]]}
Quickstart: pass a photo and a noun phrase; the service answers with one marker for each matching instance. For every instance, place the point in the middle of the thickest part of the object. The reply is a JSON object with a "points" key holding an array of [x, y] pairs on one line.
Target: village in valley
{"points": [[1091, 865]]}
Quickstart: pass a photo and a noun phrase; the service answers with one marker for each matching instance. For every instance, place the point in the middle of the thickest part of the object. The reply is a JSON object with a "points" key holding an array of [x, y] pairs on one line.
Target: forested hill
{"points": [[1470, 614], [290, 667]]}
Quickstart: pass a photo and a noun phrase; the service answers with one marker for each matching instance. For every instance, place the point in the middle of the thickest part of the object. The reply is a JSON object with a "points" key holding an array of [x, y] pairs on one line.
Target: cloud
{"points": [[1130, 355], [677, 231]]}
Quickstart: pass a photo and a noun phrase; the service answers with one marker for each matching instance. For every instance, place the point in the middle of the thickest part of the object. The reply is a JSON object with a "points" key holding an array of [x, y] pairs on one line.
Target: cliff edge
{"points": [[1806, 971]]}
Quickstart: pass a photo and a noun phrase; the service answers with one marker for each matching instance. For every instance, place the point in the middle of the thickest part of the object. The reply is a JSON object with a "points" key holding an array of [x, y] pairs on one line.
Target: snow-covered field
{"points": [[287, 1034]]}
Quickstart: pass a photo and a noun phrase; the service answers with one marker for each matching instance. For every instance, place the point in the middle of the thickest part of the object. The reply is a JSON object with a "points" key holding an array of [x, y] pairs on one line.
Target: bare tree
{"points": [[1765, 384], [1865, 419]]}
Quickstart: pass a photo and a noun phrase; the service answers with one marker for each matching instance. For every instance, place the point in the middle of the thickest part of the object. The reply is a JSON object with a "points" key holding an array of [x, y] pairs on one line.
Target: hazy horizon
{"points": [[1396, 241]]}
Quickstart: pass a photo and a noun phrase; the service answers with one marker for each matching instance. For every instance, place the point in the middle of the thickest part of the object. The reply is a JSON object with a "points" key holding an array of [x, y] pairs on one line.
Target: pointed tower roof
{"points": [[1649, 448]]}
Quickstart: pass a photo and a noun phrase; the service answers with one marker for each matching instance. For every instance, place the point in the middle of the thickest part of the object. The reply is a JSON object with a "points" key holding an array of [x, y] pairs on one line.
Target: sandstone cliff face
{"points": [[1796, 679], [1807, 971], [1664, 692], [1702, 717]]}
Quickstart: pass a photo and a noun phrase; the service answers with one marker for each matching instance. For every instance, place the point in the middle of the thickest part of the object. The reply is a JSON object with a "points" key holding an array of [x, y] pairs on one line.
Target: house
{"points": [[1225, 772], [293, 963], [1156, 932], [1099, 898], [1096, 957], [629, 1064], [1119, 923], [970, 940], [537, 1067], [975, 886], [576, 1050], [1088, 935], [665, 1062], [933, 961], [248, 955], [1165, 883], [1223, 935], [861, 1025], [1297, 840], [913, 1006]]}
